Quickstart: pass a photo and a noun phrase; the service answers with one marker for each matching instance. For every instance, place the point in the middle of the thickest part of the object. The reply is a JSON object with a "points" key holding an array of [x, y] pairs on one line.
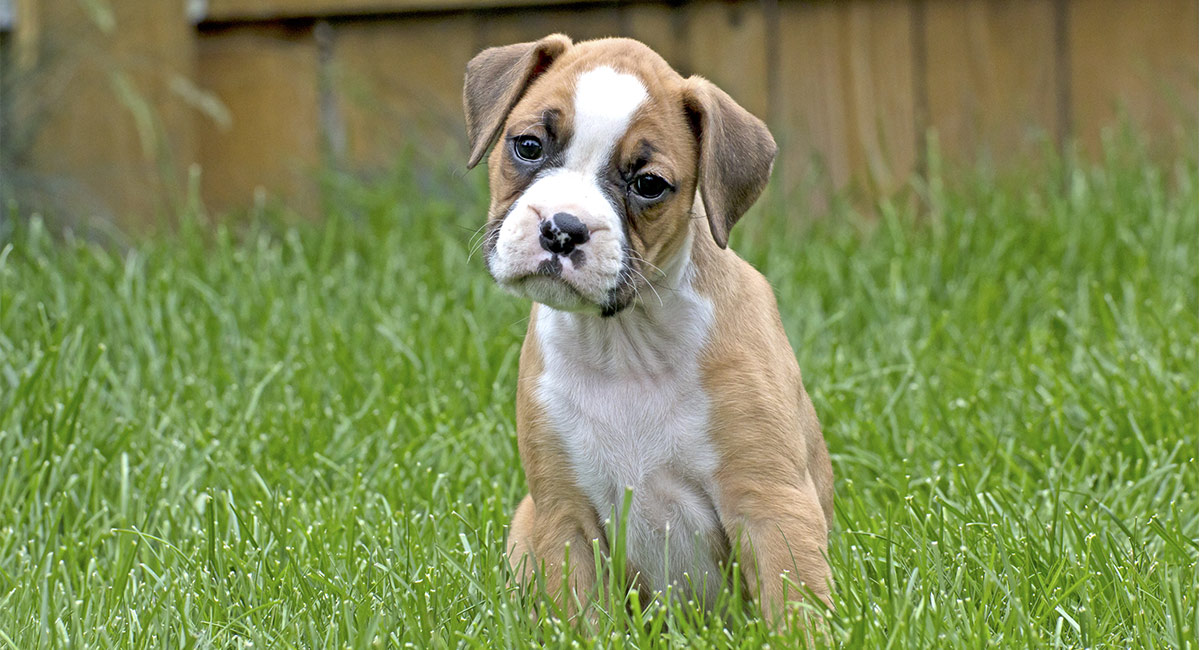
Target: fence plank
{"points": [[1135, 60], [268, 80], [727, 44], [104, 125], [662, 27], [847, 100], [503, 28], [878, 48], [399, 84], [225, 11], [814, 133], [991, 78]]}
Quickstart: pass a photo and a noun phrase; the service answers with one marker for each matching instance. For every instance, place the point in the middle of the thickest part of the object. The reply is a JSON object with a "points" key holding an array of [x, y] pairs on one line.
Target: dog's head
{"points": [[602, 149]]}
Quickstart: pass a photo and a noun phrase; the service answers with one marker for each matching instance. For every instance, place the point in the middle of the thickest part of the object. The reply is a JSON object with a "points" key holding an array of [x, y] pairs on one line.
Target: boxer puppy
{"points": [[655, 359]]}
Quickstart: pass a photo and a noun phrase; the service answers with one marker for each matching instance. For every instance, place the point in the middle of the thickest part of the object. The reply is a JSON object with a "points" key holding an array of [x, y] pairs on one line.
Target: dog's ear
{"points": [[496, 79], [735, 155]]}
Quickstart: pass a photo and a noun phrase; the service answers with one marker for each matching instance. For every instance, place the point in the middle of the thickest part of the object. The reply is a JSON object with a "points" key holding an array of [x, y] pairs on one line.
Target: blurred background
{"points": [[120, 110]]}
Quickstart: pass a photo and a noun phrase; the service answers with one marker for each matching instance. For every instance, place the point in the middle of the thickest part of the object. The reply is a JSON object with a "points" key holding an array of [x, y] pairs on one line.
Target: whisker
{"points": [[637, 256], [476, 231], [474, 249], [637, 292], [531, 126], [649, 284], [491, 234]]}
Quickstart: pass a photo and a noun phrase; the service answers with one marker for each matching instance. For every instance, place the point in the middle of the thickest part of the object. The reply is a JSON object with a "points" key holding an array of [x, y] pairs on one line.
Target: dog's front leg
{"points": [[555, 544], [555, 525], [780, 532]]}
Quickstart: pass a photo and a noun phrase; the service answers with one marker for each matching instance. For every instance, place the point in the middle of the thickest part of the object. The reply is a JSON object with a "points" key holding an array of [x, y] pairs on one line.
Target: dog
{"points": [[655, 360]]}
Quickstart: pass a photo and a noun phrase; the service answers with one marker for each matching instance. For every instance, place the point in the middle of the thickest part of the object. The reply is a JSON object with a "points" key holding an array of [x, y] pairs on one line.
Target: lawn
{"points": [[280, 434]]}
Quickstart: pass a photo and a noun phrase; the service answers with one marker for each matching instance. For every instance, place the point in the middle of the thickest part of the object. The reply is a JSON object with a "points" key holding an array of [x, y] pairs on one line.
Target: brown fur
{"points": [[736, 154], [775, 480]]}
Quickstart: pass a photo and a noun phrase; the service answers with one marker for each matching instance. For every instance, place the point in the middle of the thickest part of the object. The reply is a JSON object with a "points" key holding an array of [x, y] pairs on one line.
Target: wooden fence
{"points": [[261, 93]]}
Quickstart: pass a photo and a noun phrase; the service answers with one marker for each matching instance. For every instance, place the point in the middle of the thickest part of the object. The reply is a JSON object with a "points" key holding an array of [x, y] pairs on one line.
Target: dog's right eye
{"points": [[528, 148]]}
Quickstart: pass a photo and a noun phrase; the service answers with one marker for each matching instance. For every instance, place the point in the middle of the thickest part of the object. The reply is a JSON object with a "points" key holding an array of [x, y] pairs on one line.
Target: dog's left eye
{"points": [[649, 186], [528, 148]]}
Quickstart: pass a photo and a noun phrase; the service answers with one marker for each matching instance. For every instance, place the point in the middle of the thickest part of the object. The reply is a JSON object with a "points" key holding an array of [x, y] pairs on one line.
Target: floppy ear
{"points": [[496, 79], [736, 154]]}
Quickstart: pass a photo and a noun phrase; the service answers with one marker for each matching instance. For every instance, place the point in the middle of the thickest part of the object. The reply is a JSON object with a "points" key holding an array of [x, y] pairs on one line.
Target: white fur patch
{"points": [[624, 393], [518, 252], [605, 103]]}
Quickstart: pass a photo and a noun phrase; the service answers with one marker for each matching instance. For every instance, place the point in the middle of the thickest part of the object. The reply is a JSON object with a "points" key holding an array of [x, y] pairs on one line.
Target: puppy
{"points": [[655, 359]]}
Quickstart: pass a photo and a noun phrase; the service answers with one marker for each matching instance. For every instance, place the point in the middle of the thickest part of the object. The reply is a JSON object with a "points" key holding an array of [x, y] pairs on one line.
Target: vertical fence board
{"points": [[399, 84], [727, 45], [878, 50], [505, 27], [991, 78], [268, 80], [107, 130], [813, 135], [1135, 60], [846, 75], [662, 27]]}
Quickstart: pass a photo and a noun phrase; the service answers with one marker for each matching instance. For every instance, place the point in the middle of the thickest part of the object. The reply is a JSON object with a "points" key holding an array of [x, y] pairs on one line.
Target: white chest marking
{"points": [[626, 397]]}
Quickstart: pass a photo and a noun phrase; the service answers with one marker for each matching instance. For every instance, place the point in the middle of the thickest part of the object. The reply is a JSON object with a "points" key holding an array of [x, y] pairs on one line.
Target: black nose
{"points": [[562, 233]]}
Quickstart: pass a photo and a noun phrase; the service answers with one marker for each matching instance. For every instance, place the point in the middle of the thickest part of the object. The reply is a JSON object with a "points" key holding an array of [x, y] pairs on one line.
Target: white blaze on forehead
{"points": [[605, 101]]}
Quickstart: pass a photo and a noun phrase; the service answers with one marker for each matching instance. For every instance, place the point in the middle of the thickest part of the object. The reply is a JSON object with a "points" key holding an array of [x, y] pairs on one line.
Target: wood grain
{"points": [[268, 80], [106, 130], [399, 85], [727, 45], [1134, 62], [846, 89], [505, 27], [849, 88], [991, 78]]}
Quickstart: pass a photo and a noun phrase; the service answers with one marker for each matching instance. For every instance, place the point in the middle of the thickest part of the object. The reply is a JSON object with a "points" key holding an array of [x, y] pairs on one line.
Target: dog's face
{"points": [[601, 149]]}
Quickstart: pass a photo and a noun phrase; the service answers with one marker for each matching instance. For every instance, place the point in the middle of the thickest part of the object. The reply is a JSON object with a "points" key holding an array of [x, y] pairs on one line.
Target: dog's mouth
{"points": [[548, 285], [550, 291], [567, 283]]}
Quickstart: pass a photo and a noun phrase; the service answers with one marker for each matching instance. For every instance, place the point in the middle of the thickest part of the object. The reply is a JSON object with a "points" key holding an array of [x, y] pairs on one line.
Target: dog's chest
{"points": [[626, 399], [627, 431]]}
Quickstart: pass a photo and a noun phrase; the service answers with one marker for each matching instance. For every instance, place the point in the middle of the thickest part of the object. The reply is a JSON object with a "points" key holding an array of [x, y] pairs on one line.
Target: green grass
{"points": [[302, 436]]}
